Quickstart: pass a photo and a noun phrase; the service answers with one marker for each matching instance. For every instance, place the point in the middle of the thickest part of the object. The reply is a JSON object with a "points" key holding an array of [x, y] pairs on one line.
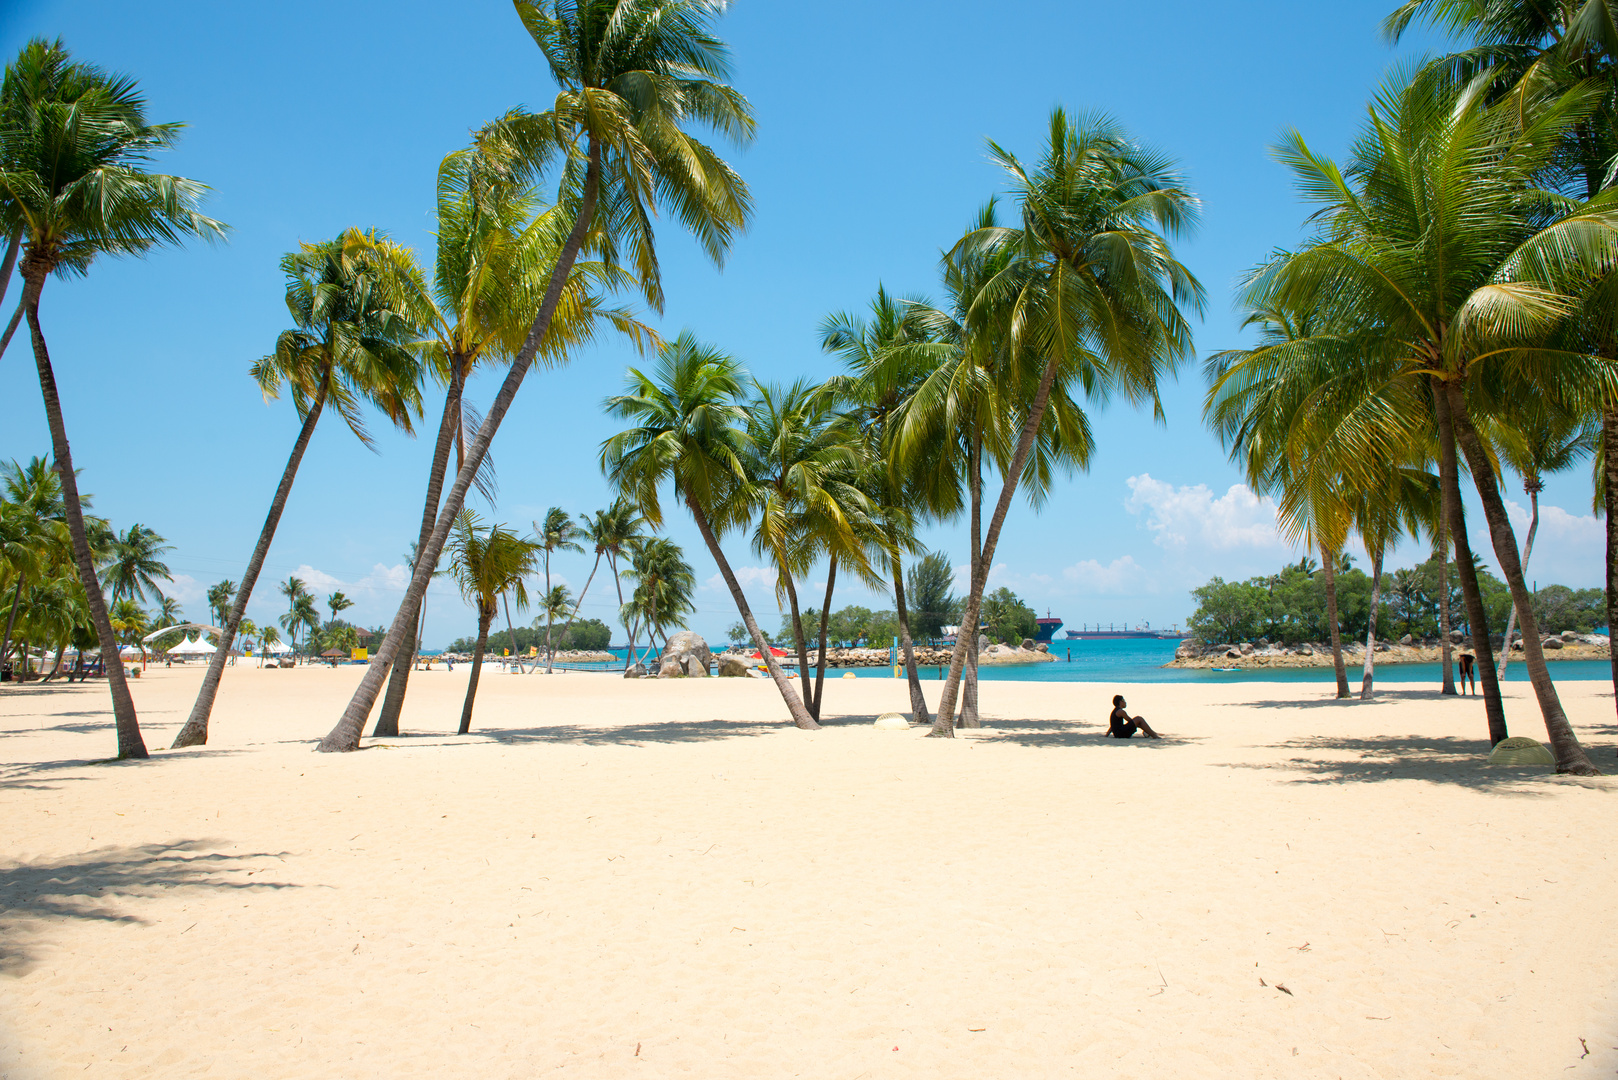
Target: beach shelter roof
{"points": [[278, 648], [193, 647], [773, 652], [334, 652]]}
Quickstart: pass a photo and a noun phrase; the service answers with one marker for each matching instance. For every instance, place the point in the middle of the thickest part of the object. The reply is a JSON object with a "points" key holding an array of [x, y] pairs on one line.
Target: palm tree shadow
{"points": [[1042, 733], [1431, 758], [656, 732], [1323, 702], [79, 886]]}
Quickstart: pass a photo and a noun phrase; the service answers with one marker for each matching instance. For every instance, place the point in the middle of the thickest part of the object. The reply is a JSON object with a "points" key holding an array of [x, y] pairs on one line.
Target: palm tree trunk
{"points": [[56, 668], [945, 723], [568, 629], [195, 730], [11, 617], [387, 723], [6, 267], [800, 714], [130, 743], [485, 617], [1370, 630], [1570, 756], [1532, 486], [825, 618], [511, 630], [345, 735], [799, 644], [1328, 564], [1609, 496], [1449, 486], [1443, 605], [918, 700], [978, 574], [629, 629], [550, 668]]}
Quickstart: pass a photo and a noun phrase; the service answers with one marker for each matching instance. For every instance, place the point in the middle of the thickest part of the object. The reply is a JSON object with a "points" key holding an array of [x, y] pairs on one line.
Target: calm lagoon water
{"points": [[1142, 660]]}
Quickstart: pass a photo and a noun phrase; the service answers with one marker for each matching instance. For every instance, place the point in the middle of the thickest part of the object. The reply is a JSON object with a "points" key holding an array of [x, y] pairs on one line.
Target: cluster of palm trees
{"points": [[1453, 313], [42, 601]]}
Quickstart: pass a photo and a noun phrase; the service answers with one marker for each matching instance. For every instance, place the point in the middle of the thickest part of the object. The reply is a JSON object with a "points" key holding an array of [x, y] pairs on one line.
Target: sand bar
{"points": [[661, 879]]}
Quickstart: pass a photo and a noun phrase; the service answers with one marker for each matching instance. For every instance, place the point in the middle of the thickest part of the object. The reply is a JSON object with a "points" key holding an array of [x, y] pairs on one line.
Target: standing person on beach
{"points": [[1120, 725], [1467, 664]]}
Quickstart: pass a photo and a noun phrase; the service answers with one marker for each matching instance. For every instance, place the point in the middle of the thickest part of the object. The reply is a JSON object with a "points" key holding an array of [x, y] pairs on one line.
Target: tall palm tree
{"points": [[1460, 268], [1563, 44], [485, 565], [556, 533], [338, 603], [689, 430], [75, 180], [34, 541], [496, 244], [136, 564], [633, 74], [875, 388], [1097, 296], [801, 463], [349, 347], [663, 585], [219, 597], [295, 590], [1544, 443], [554, 602], [612, 533]]}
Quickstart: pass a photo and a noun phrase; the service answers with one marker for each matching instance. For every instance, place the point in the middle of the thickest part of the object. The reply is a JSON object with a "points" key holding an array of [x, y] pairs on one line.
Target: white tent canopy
{"points": [[193, 647], [277, 648]]}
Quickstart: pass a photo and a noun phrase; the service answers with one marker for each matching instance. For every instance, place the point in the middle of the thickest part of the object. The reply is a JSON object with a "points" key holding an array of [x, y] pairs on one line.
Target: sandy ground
{"points": [[660, 879]]}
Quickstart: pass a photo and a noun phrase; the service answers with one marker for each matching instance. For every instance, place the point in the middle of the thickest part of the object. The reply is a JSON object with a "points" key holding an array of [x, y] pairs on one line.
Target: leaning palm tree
{"points": [[1096, 294], [485, 564], [136, 564], [633, 75], [1460, 268], [349, 348], [612, 532], [689, 431], [496, 244], [1545, 442], [75, 180], [556, 533]]}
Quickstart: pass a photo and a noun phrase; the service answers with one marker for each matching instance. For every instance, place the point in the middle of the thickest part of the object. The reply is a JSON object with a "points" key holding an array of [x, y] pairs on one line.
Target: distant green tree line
{"points": [[585, 634], [1290, 606]]}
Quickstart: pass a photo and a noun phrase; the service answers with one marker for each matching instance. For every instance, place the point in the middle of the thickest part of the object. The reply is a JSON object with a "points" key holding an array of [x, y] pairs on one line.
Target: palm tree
{"points": [[338, 603], [1405, 502], [131, 624], [633, 74], [663, 583], [219, 597], [34, 541], [75, 181], [553, 602], [1546, 443], [557, 533], [1459, 268], [689, 430], [135, 565], [267, 636], [611, 532], [495, 249], [295, 591], [349, 347], [485, 565], [1097, 296], [801, 461]]}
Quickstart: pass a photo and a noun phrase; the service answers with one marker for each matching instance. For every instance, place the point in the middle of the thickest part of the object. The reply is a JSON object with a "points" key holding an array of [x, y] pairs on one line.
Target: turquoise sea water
{"points": [[1141, 661]]}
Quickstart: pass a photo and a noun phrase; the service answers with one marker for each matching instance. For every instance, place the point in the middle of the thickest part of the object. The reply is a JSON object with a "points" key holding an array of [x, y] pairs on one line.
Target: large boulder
{"points": [[1407, 640], [635, 671], [1027, 643], [732, 667], [1551, 643], [685, 654], [1247, 648]]}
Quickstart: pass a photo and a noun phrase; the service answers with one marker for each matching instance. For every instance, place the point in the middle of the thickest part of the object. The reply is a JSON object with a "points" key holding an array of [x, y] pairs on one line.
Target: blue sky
{"points": [[307, 118]]}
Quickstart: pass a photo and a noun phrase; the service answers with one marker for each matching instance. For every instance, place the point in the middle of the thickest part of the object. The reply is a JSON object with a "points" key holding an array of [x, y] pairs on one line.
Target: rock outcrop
{"points": [[686, 654], [732, 667]]}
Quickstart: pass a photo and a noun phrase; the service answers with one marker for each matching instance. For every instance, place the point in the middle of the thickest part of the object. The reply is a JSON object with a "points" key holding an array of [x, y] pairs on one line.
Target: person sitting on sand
{"points": [[1465, 662], [1120, 725]]}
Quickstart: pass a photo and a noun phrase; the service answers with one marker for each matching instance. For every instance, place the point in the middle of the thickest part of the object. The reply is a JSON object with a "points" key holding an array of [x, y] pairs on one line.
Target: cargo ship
{"points": [[1114, 632], [1048, 626]]}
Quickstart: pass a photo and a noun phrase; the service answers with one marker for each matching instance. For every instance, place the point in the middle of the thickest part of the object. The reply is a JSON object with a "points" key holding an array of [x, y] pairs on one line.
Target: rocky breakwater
{"points": [[1407, 650], [1029, 652]]}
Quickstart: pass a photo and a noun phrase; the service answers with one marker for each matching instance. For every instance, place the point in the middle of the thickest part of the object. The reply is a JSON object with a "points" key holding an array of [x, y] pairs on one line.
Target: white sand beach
{"points": [[663, 879]]}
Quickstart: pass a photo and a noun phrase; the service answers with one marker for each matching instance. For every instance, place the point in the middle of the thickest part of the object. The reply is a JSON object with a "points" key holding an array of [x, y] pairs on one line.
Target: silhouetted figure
{"points": [[1120, 725], [1467, 663]]}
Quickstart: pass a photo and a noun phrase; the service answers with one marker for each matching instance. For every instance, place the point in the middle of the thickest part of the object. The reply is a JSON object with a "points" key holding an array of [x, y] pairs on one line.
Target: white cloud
{"points": [[1121, 577], [998, 575], [1192, 517], [186, 589], [1557, 525]]}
